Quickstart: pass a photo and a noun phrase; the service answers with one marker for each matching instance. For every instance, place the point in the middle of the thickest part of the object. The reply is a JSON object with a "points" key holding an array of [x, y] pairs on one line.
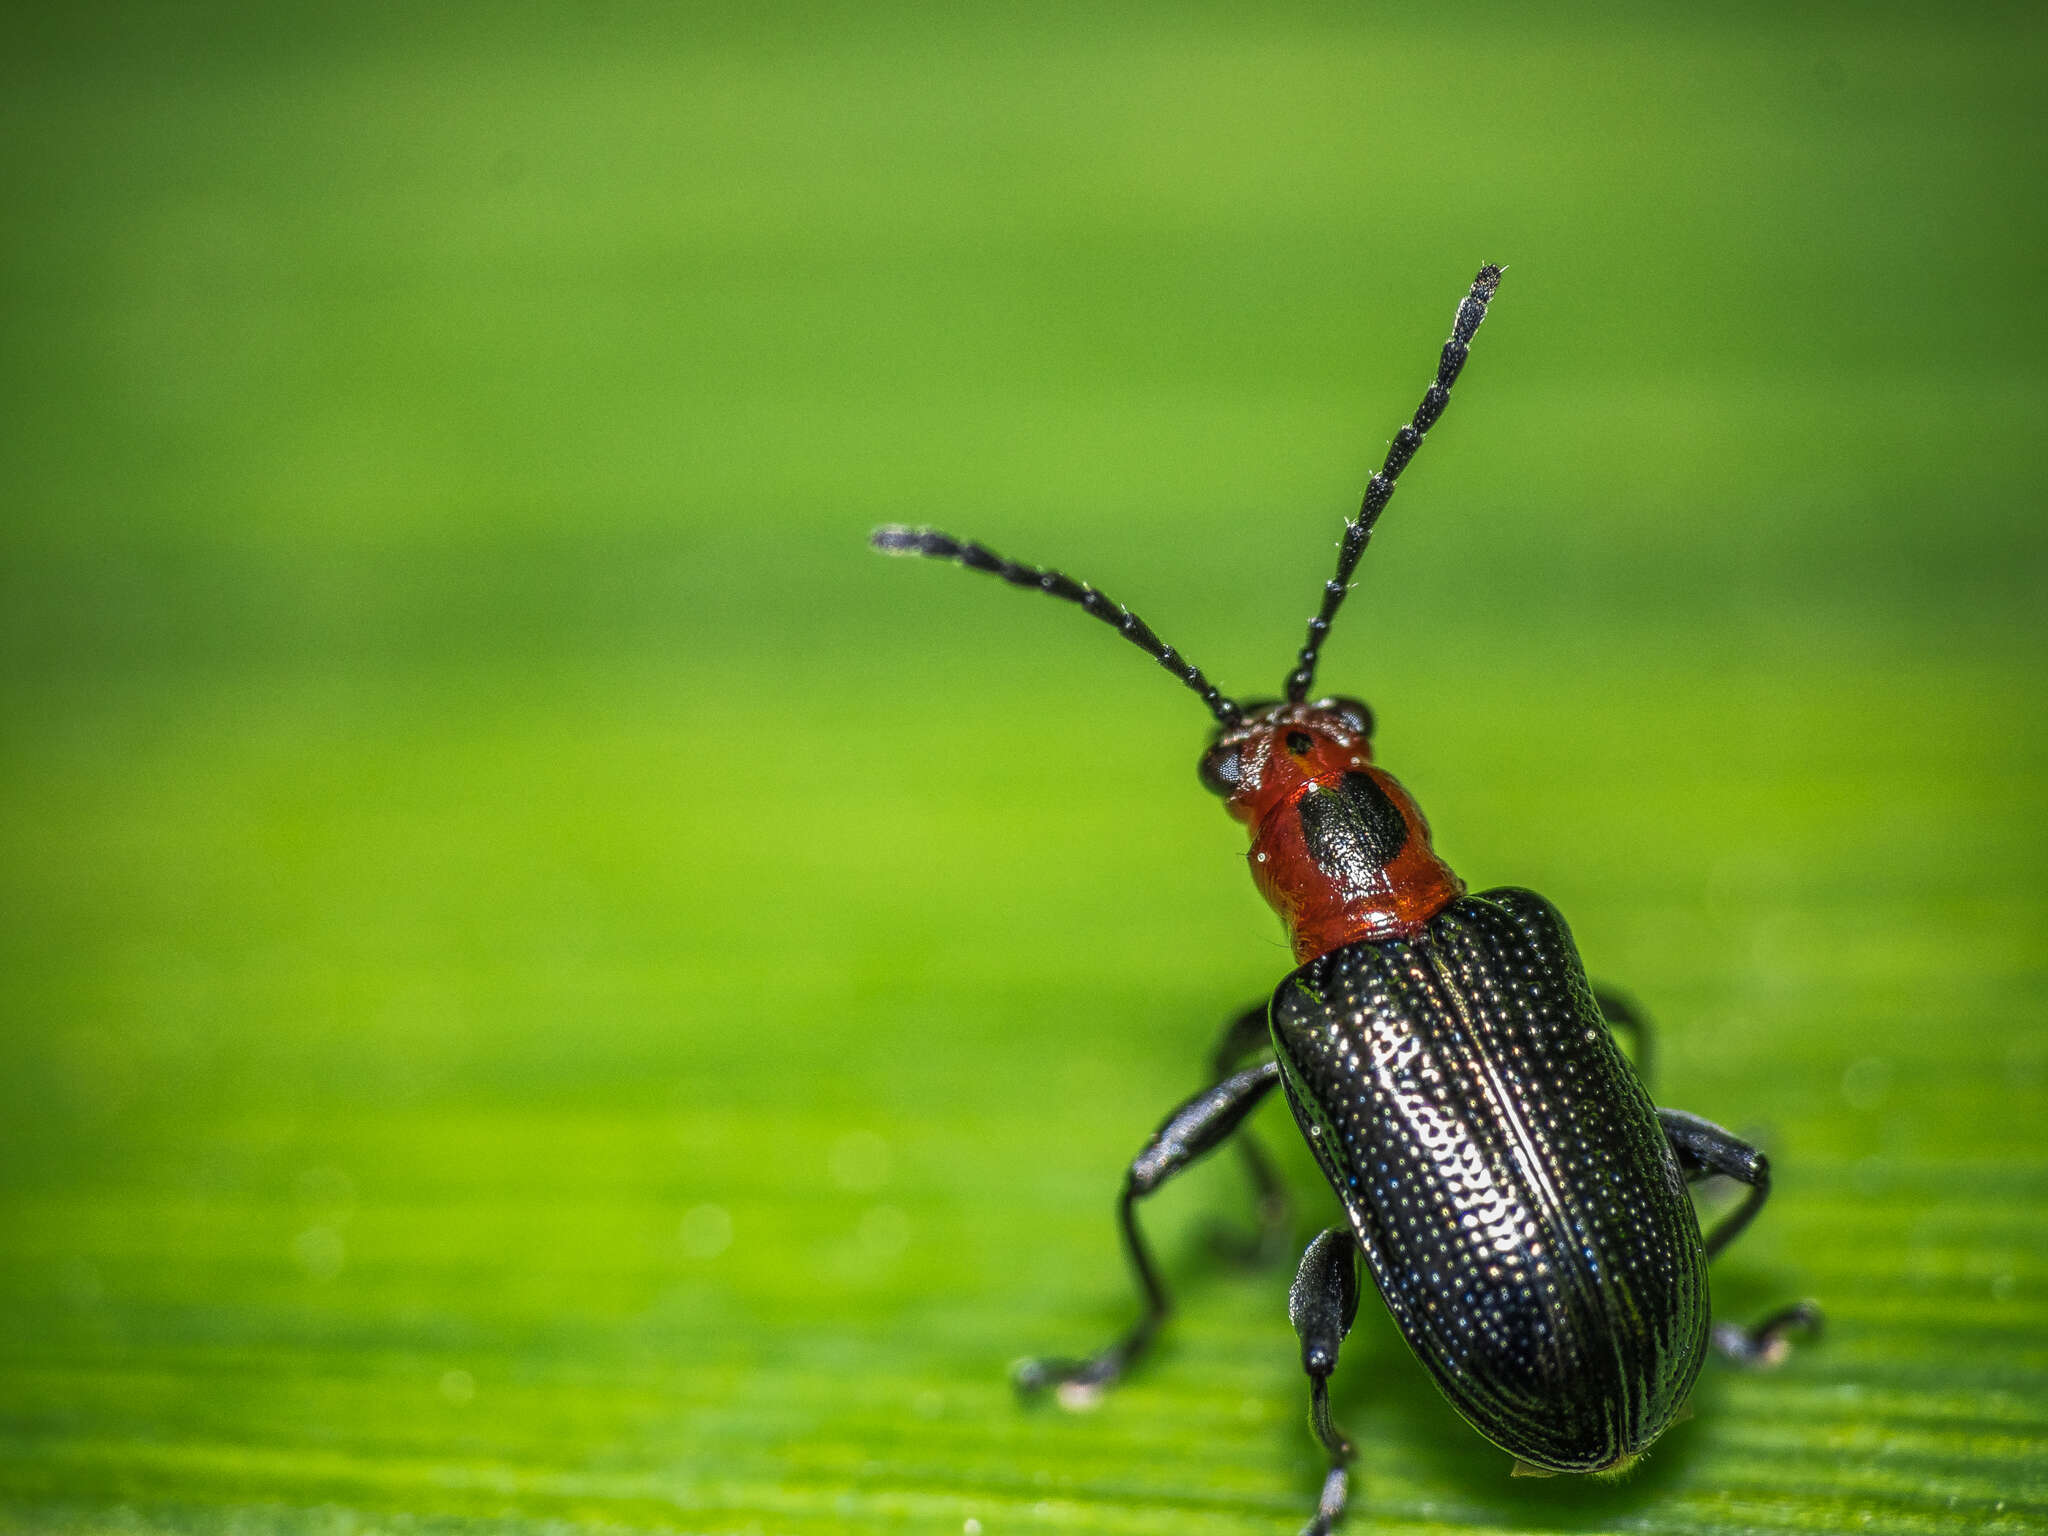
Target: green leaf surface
{"points": [[549, 990]]}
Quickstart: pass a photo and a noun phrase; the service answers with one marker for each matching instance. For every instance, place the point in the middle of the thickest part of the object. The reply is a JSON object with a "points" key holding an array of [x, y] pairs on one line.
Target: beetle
{"points": [[1520, 1203]]}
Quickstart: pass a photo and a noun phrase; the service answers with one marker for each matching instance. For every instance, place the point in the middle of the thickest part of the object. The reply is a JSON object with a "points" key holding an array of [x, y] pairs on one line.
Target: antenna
{"points": [[1380, 489], [934, 545]]}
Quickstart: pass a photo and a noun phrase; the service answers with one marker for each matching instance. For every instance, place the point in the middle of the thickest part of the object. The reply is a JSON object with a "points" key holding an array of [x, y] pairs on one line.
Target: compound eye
{"points": [[1222, 770], [1355, 713]]}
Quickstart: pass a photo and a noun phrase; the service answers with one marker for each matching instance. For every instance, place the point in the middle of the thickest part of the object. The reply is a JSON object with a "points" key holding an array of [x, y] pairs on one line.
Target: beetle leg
{"points": [[1769, 1341], [1620, 1011], [1245, 1034], [1321, 1306], [1195, 1128], [1704, 1149]]}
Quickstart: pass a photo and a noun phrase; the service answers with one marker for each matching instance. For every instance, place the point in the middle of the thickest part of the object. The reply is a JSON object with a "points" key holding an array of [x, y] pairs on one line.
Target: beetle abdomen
{"points": [[1506, 1175]]}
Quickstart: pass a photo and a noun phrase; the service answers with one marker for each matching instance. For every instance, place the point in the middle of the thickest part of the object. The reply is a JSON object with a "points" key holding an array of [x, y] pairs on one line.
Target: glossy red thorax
{"points": [[1338, 846]]}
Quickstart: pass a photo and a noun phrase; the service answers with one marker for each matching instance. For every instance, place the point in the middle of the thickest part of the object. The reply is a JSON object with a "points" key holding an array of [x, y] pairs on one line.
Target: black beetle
{"points": [[1521, 1203]]}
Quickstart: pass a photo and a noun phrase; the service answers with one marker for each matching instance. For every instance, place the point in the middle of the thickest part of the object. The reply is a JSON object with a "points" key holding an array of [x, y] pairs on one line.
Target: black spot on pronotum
{"points": [[1354, 830], [1298, 742]]}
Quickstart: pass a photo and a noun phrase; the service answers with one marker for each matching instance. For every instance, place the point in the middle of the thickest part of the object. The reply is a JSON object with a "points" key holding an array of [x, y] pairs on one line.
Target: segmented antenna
{"points": [[931, 543], [1380, 489]]}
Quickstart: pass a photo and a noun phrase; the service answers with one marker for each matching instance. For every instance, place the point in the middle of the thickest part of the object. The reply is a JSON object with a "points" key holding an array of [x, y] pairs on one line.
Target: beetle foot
{"points": [[1769, 1342], [1330, 1507], [1076, 1385]]}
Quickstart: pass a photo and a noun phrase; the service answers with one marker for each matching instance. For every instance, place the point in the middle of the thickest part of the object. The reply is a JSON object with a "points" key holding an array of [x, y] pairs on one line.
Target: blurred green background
{"points": [[547, 988]]}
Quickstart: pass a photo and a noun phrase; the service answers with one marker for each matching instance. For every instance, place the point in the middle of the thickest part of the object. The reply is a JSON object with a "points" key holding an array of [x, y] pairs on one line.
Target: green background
{"points": [[548, 987]]}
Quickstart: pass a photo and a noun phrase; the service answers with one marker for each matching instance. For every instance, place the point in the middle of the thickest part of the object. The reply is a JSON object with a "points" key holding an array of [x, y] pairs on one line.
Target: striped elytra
{"points": [[1506, 1176]]}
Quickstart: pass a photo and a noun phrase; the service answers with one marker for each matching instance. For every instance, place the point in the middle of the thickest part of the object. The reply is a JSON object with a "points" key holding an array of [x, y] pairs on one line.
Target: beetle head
{"points": [[1337, 845], [1276, 749]]}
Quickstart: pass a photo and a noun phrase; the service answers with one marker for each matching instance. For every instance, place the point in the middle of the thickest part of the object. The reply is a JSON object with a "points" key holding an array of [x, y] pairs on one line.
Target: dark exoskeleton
{"points": [[1521, 1204]]}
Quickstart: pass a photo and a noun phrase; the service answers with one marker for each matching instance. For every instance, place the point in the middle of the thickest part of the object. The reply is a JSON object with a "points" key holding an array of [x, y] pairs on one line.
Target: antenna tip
{"points": [[1488, 279], [896, 539]]}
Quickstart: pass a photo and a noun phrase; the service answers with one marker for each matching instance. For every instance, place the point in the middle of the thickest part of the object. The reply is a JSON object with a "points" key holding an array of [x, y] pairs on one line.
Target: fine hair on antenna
{"points": [[934, 545], [896, 539], [1380, 489]]}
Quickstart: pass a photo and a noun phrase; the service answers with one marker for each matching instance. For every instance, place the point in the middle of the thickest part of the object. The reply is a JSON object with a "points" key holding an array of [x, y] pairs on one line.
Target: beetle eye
{"points": [[1221, 771], [1355, 713]]}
